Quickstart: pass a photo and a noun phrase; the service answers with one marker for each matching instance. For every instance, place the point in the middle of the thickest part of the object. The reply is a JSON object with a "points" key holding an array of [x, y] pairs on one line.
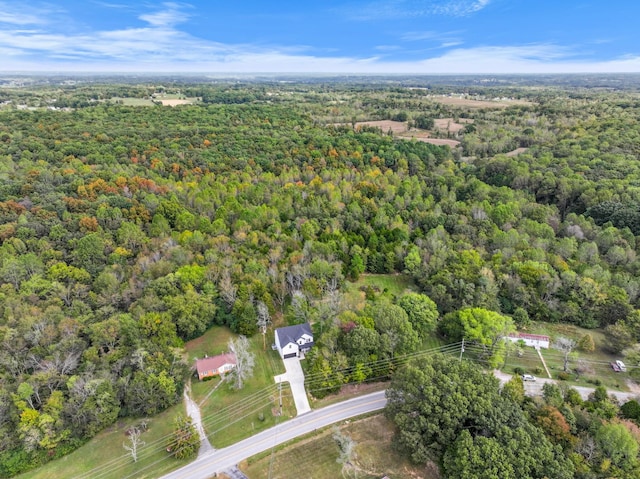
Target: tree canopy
{"points": [[451, 412]]}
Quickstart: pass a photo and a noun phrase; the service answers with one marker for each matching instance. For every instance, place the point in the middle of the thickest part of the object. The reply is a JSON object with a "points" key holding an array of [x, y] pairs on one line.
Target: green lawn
{"points": [[104, 457], [529, 362], [394, 284], [597, 361], [214, 341], [374, 455], [230, 415], [321, 465]]}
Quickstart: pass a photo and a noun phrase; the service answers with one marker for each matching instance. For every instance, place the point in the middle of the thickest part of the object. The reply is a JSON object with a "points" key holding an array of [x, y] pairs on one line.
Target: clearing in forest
{"points": [[471, 103], [401, 130], [450, 125], [176, 102], [396, 127]]}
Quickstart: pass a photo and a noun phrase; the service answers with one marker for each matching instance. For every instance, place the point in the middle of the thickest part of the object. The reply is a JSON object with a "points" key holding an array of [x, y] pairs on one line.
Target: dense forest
{"points": [[126, 230]]}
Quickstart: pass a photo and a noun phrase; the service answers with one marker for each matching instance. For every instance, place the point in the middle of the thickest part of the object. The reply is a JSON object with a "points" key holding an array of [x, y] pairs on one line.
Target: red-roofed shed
{"points": [[535, 340]]}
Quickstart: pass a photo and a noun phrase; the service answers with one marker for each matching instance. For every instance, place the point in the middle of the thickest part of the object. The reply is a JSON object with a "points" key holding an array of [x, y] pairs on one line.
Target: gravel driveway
{"points": [[193, 411], [534, 388]]}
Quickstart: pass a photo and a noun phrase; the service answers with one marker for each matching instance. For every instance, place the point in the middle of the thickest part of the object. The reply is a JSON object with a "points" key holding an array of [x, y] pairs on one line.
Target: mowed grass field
{"points": [[104, 457], [374, 455], [596, 362], [393, 284], [230, 415]]}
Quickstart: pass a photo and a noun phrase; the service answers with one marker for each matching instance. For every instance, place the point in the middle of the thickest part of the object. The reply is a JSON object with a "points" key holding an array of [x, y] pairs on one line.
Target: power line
{"points": [[254, 403]]}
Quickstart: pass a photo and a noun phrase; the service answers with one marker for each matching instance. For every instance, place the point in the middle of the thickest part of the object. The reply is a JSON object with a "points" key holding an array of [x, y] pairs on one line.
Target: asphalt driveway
{"points": [[295, 377]]}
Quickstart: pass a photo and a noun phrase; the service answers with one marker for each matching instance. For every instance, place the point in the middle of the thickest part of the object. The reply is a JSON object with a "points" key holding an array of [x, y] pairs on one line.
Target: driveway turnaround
{"points": [[222, 459], [295, 377]]}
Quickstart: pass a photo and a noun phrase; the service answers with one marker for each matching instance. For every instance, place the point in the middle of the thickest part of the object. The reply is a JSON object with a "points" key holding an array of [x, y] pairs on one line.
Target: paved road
{"points": [[205, 467]]}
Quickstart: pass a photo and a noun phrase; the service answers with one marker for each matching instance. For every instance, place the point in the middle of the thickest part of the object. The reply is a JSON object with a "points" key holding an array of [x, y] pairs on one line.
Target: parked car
{"points": [[621, 365], [615, 367], [528, 377]]}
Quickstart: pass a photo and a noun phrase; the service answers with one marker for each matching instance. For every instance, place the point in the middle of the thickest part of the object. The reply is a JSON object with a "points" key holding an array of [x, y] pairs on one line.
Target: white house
{"points": [[294, 340], [536, 340]]}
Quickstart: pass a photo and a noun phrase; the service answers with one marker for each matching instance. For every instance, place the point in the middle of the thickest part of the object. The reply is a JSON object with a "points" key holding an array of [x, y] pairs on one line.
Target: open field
{"points": [[104, 457], [401, 130], [132, 101], [173, 99], [396, 284], [450, 125], [471, 103], [385, 125], [374, 455], [596, 364], [230, 415], [176, 102], [166, 100]]}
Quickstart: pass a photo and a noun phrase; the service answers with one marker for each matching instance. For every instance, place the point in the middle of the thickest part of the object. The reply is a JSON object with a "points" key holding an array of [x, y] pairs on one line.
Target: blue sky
{"points": [[326, 36]]}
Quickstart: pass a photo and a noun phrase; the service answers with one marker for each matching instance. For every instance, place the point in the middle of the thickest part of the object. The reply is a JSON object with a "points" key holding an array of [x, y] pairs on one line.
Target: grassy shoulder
{"points": [[374, 455], [104, 457]]}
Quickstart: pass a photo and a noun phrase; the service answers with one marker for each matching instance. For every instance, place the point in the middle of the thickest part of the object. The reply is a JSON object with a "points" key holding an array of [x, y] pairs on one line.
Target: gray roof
{"points": [[291, 334]]}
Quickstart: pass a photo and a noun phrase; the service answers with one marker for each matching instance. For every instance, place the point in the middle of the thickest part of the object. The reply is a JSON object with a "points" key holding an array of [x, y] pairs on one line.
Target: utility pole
{"points": [[275, 432], [461, 349]]}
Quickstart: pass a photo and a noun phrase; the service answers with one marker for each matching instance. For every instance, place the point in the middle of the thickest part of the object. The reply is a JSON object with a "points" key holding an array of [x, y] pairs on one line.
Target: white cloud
{"points": [[242, 59], [111, 5], [159, 46], [160, 40], [417, 36], [23, 15], [459, 8], [381, 9], [388, 48], [171, 15]]}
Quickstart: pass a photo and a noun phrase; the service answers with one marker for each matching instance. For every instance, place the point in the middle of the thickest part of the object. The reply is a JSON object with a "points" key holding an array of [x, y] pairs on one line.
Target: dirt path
{"points": [[193, 411], [543, 363]]}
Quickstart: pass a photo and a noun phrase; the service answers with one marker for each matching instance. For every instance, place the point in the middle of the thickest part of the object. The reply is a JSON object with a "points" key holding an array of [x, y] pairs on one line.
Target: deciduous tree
{"points": [[245, 361]]}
